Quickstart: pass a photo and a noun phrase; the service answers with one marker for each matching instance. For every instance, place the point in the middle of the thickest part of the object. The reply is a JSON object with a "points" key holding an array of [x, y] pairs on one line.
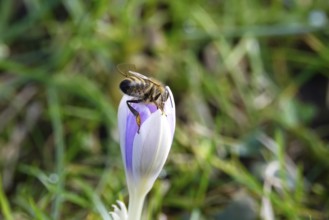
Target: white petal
{"points": [[151, 148], [114, 216], [119, 212], [170, 110], [123, 208]]}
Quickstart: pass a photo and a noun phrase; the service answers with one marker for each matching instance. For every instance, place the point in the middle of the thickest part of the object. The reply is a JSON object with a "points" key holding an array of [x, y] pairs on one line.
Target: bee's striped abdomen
{"points": [[135, 87]]}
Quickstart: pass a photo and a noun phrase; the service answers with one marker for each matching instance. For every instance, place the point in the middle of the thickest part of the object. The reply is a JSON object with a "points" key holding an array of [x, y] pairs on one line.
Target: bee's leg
{"points": [[156, 97], [162, 104], [135, 112]]}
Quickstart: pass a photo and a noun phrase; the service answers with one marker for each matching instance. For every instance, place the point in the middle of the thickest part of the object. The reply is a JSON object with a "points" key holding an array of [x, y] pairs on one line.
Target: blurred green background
{"points": [[250, 80]]}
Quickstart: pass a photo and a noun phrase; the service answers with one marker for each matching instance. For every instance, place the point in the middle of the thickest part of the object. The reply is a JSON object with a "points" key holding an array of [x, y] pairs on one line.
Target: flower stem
{"points": [[135, 208]]}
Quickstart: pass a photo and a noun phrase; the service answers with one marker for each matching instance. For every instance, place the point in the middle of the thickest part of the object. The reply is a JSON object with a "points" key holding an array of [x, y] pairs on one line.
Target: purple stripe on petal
{"points": [[152, 107], [131, 131]]}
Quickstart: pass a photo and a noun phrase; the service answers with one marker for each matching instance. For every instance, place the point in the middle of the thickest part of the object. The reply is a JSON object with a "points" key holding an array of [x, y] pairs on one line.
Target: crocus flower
{"points": [[145, 152]]}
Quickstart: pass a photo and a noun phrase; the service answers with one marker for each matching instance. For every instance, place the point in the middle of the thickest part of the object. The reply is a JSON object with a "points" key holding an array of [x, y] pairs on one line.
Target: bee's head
{"points": [[125, 86]]}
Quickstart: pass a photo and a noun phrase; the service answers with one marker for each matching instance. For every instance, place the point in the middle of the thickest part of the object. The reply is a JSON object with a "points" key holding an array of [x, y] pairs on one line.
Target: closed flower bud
{"points": [[145, 150]]}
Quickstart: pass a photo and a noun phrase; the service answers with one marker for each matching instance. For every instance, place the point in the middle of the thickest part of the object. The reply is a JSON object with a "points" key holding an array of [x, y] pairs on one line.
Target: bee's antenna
{"points": [[124, 68]]}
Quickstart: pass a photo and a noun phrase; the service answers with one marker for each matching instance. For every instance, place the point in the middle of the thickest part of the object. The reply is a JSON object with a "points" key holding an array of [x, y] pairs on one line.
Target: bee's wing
{"points": [[155, 82], [126, 68], [130, 70], [139, 75]]}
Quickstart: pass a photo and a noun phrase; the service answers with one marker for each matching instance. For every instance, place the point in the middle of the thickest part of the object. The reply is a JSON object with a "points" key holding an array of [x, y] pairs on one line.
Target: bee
{"points": [[143, 90]]}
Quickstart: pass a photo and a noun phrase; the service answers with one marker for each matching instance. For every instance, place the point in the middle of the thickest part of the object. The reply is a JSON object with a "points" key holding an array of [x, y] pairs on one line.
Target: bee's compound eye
{"points": [[125, 85]]}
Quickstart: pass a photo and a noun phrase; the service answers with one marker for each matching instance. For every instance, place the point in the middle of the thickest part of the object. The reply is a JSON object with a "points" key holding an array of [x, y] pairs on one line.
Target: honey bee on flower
{"points": [[143, 90]]}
